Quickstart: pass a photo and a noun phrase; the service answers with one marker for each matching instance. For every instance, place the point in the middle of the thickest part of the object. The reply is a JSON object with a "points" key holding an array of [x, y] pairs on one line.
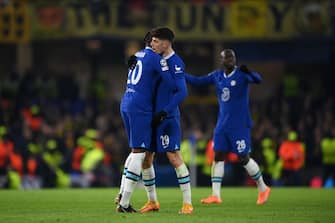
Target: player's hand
{"points": [[158, 118], [132, 61], [245, 69]]}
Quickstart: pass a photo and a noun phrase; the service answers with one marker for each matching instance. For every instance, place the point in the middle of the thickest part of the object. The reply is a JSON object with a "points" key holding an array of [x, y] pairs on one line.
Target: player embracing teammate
{"points": [[154, 126], [155, 87]]}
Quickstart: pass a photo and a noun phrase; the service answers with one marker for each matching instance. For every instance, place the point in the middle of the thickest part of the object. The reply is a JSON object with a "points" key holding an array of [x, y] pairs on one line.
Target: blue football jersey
{"points": [[169, 96], [142, 80], [233, 96]]}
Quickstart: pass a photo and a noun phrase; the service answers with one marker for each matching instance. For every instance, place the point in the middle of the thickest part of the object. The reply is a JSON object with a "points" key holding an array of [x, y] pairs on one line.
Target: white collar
{"points": [[230, 74], [170, 55]]}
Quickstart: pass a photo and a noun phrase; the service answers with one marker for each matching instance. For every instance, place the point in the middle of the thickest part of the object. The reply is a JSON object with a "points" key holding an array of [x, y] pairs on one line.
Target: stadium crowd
{"points": [[50, 136]]}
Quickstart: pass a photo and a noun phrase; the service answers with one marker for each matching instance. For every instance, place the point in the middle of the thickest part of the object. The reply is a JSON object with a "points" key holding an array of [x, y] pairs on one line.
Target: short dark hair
{"points": [[163, 33], [147, 38]]}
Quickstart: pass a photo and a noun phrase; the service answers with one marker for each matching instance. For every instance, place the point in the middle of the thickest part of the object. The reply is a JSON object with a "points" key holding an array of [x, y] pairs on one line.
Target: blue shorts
{"points": [[138, 128], [167, 136], [237, 141]]}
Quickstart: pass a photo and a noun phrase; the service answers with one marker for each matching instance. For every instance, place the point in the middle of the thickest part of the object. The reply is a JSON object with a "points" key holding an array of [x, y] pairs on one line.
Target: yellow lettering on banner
{"points": [[243, 19], [248, 18]]}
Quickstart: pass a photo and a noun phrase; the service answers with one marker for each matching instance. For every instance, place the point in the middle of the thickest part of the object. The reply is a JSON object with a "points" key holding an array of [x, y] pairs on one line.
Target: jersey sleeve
{"points": [[254, 78], [178, 97], [177, 72], [200, 81]]}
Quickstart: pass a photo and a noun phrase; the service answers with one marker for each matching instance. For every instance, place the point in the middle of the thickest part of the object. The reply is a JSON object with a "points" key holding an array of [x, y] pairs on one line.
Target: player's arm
{"points": [[179, 95], [180, 89], [252, 77], [201, 80], [162, 68]]}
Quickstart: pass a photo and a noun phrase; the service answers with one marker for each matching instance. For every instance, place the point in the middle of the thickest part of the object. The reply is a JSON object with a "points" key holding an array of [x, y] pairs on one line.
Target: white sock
{"points": [[149, 179], [126, 164], [132, 177], [184, 183], [254, 172], [217, 175]]}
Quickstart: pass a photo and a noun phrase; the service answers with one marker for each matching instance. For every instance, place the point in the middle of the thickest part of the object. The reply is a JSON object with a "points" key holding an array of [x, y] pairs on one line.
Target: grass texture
{"points": [[97, 205]]}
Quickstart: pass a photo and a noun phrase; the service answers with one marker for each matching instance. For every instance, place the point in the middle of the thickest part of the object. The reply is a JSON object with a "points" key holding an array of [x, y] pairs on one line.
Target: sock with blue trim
{"points": [[126, 164], [255, 173], [184, 183], [149, 179], [132, 177], [217, 175]]}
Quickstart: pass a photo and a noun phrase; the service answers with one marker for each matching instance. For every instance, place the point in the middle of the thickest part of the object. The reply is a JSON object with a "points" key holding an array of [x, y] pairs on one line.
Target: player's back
{"points": [[139, 94], [165, 91]]}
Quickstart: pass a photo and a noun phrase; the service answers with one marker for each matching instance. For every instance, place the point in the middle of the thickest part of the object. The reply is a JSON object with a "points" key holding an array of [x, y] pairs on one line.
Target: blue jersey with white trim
{"points": [[142, 80], [233, 96], [168, 96]]}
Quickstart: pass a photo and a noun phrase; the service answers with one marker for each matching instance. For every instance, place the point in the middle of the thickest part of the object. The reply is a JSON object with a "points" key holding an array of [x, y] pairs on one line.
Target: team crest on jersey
{"points": [[164, 65], [163, 62], [225, 95], [233, 83]]}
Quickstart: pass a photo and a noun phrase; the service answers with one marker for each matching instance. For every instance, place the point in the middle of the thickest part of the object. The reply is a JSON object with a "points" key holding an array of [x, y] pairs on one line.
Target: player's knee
{"points": [[243, 159], [146, 164], [148, 160], [175, 159]]}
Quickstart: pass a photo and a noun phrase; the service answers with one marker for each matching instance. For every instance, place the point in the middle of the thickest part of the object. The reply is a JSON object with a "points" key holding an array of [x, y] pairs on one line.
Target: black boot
{"points": [[129, 209]]}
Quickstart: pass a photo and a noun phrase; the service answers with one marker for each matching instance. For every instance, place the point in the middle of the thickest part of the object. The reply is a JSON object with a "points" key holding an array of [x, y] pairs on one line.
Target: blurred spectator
{"points": [[328, 158], [292, 154], [11, 164], [271, 166], [87, 159]]}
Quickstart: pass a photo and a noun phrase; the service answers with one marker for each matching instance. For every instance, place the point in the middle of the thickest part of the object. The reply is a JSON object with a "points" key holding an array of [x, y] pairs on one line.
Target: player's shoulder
{"points": [[141, 53], [151, 55], [176, 63], [149, 52], [175, 59], [218, 72]]}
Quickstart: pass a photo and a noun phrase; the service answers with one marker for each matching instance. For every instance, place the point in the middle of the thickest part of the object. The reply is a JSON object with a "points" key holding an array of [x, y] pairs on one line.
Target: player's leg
{"points": [[254, 172], [169, 137], [241, 142], [139, 141], [132, 178], [123, 178], [217, 171], [149, 179], [126, 123], [184, 181]]}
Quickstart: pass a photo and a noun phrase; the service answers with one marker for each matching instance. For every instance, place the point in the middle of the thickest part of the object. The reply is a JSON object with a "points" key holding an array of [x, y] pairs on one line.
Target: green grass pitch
{"points": [[97, 205]]}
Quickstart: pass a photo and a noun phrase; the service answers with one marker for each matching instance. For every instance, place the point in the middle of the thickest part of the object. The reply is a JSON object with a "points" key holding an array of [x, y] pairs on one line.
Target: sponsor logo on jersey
{"points": [[177, 68], [225, 95]]}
